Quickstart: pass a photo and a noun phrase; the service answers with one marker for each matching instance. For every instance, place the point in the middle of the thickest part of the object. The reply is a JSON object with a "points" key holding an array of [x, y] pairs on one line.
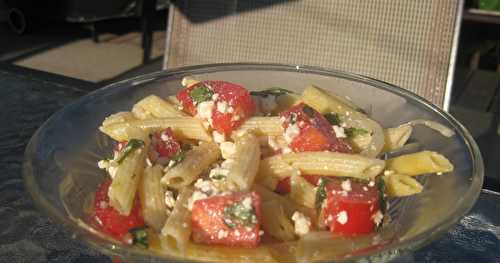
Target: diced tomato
{"points": [[119, 146], [236, 104], [283, 186], [351, 212], [109, 219], [165, 144], [211, 223], [315, 132]]}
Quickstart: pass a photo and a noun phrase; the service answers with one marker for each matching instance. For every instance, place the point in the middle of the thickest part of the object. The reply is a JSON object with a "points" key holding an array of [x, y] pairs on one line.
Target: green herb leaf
{"points": [[381, 189], [321, 193], [177, 158], [352, 132], [200, 94], [333, 118], [270, 92], [237, 212], [218, 177], [132, 144], [139, 237], [309, 111]]}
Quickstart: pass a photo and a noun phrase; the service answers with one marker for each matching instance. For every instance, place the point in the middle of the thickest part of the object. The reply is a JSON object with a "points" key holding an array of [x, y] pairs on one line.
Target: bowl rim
{"points": [[110, 247]]}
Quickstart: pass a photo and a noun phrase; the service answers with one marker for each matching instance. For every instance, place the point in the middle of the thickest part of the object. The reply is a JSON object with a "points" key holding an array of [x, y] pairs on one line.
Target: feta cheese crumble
{"points": [[204, 110], [346, 185], [291, 132], [197, 195], [228, 149], [302, 223], [377, 217], [169, 199], [342, 217], [218, 137], [222, 106], [222, 234], [339, 131]]}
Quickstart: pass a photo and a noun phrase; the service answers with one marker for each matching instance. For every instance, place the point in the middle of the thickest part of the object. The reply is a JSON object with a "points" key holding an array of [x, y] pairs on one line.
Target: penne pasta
{"points": [[152, 196], [423, 162], [284, 251], [183, 127], [396, 137], [270, 126], [177, 229], [302, 192], [276, 222], [285, 101], [119, 117], [398, 185], [128, 174], [246, 162], [159, 108], [325, 102], [328, 164], [195, 162]]}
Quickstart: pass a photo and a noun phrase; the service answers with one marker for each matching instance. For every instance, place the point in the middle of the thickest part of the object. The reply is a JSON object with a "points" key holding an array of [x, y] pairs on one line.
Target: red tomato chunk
{"points": [[232, 104], [109, 219], [314, 131], [164, 146], [230, 220], [351, 212]]}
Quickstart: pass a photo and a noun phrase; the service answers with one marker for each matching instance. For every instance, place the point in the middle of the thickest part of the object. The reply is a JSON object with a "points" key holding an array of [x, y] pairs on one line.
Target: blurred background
{"points": [[93, 43]]}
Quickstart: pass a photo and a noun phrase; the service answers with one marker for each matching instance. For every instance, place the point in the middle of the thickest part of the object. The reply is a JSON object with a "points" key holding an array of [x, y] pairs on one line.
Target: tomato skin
{"points": [[109, 219], [165, 144], [283, 186], [119, 146], [360, 205], [234, 96], [316, 133], [207, 220]]}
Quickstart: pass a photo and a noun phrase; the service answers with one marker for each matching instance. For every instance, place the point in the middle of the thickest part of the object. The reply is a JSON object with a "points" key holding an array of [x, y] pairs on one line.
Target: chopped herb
{"points": [[353, 132], [309, 111], [333, 118], [270, 92], [321, 193], [218, 177], [200, 94], [132, 144], [237, 212], [139, 237], [381, 189], [177, 158]]}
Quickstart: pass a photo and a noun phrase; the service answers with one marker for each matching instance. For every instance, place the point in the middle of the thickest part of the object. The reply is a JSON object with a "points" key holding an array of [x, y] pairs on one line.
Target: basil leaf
{"points": [[270, 92], [309, 111], [218, 177], [139, 237], [200, 94], [352, 132], [381, 189], [237, 212], [333, 118], [132, 144], [321, 193]]}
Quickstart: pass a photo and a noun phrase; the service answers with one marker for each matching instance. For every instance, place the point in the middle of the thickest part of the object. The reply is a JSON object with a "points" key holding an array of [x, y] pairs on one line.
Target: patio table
{"points": [[28, 98]]}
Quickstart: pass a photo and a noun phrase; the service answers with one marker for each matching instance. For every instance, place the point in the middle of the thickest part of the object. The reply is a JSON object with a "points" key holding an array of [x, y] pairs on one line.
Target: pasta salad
{"points": [[219, 173]]}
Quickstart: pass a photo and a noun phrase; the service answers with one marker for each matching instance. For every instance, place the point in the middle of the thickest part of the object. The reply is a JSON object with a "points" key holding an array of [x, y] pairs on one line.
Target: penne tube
{"points": [[141, 113], [396, 137], [119, 117], [177, 229], [246, 162], [159, 108], [398, 185], [270, 126], [272, 170], [276, 222], [195, 162], [152, 196], [302, 192], [334, 164], [128, 174], [285, 101], [174, 101], [183, 127], [284, 251], [419, 163]]}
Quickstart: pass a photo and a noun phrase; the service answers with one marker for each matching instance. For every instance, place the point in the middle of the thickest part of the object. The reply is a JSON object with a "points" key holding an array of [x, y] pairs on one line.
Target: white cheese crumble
{"points": [[339, 131], [261, 233], [365, 188], [204, 110], [110, 166], [286, 150], [247, 203], [291, 132], [377, 217], [371, 184], [218, 137], [237, 233], [228, 149], [302, 223], [236, 117], [230, 109], [169, 199], [439, 173], [388, 172], [197, 195], [342, 217], [222, 234], [346, 185], [103, 164], [222, 106], [218, 171], [215, 96]]}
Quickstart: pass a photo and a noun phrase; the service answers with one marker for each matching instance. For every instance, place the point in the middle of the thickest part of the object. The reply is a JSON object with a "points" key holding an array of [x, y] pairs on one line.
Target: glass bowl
{"points": [[60, 165]]}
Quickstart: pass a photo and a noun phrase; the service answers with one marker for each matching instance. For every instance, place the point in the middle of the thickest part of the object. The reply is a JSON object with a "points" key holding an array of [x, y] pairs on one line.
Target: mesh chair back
{"points": [[411, 44]]}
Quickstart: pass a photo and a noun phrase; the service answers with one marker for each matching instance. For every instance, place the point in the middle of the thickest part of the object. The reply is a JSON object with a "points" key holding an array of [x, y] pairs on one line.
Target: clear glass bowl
{"points": [[60, 168]]}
